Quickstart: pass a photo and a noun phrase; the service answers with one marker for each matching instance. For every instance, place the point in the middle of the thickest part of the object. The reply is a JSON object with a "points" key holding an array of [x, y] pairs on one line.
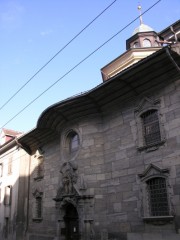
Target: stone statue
{"points": [[69, 177]]}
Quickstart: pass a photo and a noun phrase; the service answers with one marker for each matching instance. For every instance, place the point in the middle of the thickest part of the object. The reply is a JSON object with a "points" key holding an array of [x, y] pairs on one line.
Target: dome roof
{"points": [[142, 28]]}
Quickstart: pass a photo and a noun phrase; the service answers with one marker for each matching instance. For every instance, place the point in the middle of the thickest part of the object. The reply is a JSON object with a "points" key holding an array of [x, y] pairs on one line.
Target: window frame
{"points": [[74, 142], [39, 166], [7, 195], [10, 166], [37, 203], [1, 169], [153, 210], [69, 153], [147, 104], [148, 127], [150, 173], [145, 41]]}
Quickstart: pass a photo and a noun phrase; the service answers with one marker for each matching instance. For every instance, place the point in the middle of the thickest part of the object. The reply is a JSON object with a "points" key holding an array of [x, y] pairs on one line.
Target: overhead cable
{"points": [[83, 60], [56, 55]]}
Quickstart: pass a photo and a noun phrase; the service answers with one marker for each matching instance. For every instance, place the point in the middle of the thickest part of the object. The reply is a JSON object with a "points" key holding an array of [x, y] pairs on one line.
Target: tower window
{"points": [[146, 43], [136, 45]]}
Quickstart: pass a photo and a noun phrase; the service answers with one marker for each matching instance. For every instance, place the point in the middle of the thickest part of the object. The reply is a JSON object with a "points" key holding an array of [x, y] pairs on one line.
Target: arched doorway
{"points": [[72, 223]]}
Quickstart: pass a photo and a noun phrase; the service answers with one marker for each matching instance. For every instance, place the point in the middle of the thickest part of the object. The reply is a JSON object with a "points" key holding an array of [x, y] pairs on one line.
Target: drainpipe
{"points": [[172, 59], [27, 212]]}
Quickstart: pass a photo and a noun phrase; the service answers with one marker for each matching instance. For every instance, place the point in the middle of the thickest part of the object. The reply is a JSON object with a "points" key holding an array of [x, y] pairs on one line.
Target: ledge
{"points": [[38, 178], [37, 219], [158, 220], [151, 147]]}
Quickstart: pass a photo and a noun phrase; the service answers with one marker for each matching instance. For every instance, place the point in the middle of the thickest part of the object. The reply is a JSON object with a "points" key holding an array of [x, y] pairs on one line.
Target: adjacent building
{"points": [[14, 177]]}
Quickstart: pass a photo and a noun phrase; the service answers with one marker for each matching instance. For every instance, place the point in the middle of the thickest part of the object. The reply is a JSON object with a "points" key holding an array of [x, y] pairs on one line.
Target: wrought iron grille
{"points": [[39, 207], [151, 127], [157, 196]]}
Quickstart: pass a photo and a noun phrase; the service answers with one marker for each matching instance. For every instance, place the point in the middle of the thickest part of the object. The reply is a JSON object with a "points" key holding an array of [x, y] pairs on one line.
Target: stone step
{"points": [[153, 236]]}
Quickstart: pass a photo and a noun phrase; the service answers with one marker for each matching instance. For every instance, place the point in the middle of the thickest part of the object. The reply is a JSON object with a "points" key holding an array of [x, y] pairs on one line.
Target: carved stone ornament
{"points": [[153, 170], [145, 104], [72, 186], [69, 177], [37, 193]]}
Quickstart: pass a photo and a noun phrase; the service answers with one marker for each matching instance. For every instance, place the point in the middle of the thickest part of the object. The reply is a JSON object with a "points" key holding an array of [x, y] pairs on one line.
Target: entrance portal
{"points": [[72, 223]]}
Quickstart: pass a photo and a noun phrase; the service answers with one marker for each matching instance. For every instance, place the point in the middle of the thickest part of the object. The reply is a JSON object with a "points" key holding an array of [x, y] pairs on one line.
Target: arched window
{"points": [[73, 142], [157, 197], [146, 43], [136, 45], [151, 129], [39, 166], [37, 208]]}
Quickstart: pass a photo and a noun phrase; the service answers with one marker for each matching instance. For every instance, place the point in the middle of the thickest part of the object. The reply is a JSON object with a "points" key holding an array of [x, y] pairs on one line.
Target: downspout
{"points": [[27, 213], [27, 149], [172, 60]]}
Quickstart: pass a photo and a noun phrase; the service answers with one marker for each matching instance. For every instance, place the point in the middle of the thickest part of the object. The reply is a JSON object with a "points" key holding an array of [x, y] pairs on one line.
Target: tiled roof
{"points": [[10, 132]]}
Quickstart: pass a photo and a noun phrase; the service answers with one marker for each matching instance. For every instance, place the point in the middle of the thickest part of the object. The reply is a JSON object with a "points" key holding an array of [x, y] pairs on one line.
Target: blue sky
{"points": [[33, 31]]}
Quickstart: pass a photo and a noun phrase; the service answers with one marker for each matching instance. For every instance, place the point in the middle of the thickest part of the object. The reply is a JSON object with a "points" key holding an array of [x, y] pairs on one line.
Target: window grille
{"points": [[38, 207], [151, 127], [157, 197]]}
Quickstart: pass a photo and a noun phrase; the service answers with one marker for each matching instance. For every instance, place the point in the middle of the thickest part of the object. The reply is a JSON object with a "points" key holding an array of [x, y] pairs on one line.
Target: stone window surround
{"points": [[39, 169], [139, 111], [37, 195], [152, 172], [65, 143]]}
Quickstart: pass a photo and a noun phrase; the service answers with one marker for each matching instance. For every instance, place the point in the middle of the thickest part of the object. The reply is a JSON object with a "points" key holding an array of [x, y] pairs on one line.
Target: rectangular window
{"points": [[38, 207], [7, 196], [151, 127], [6, 229], [1, 169], [157, 196], [10, 166]]}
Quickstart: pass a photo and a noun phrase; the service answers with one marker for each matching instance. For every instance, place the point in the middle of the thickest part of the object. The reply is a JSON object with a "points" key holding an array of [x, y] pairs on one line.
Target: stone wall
{"points": [[109, 161]]}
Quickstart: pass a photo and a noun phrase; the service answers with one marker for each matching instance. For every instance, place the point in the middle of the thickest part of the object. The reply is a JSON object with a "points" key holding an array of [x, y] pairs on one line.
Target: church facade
{"points": [[105, 165]]}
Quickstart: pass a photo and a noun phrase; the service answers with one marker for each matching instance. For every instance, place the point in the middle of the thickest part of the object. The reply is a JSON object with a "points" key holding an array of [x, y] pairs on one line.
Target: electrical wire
{"points": [[83, 60], [56, 54]]}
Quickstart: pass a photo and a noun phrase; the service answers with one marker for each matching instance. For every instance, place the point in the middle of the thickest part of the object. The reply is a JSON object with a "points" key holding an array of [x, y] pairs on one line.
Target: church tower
{"points": [[141, 44]]}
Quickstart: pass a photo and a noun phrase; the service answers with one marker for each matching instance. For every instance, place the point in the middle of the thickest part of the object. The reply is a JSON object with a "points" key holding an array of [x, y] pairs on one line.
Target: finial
{"points": [[140, 14]]}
